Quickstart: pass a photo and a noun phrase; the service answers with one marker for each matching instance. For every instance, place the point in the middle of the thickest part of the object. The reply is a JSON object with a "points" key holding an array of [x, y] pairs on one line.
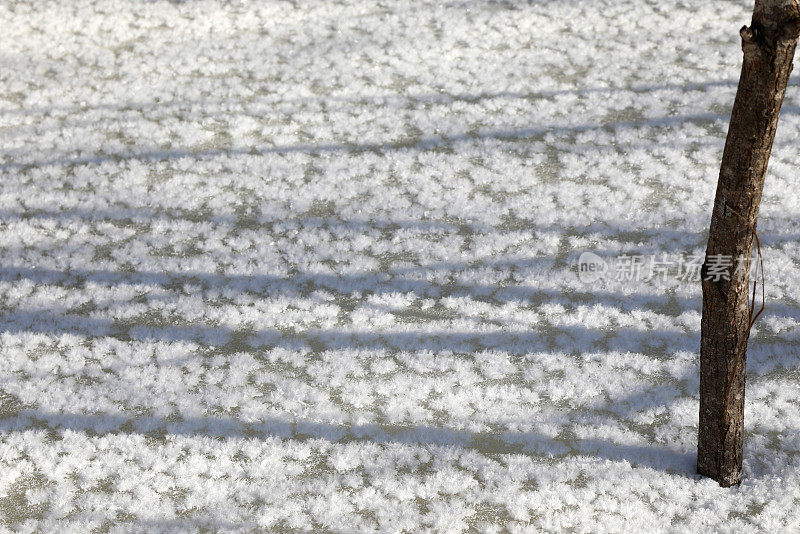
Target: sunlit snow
{"points": [[310, 266]]}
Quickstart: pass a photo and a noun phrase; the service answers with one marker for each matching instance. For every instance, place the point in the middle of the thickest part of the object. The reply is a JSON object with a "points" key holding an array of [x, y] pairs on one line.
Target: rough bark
{"points": [[768, 45]]}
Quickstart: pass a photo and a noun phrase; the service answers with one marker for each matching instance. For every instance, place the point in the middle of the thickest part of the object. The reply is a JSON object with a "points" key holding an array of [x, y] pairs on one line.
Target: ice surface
{"points": [[309, 266]]}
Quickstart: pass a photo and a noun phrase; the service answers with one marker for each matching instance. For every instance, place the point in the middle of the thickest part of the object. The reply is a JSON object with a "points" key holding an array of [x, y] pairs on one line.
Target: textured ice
{"points": [[309, 266]]}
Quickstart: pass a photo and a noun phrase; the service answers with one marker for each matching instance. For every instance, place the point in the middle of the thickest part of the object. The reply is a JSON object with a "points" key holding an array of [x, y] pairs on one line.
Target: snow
{"points": [[310, 266]]}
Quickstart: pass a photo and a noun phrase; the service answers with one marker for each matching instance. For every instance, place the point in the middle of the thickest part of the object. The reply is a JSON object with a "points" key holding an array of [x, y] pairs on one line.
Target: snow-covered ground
{"points": [[310, 266]]}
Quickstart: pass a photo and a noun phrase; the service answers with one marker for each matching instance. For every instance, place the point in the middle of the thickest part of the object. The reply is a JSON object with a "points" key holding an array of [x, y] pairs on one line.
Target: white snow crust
{"points": [[309, 266]]}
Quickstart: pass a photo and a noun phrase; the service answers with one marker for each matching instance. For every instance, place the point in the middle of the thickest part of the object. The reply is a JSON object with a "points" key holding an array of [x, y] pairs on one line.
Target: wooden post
{"points": [[768, 45]]}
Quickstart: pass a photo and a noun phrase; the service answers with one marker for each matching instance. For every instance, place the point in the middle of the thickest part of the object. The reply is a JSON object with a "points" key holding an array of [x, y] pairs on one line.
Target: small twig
{"points": [[763, 287]]}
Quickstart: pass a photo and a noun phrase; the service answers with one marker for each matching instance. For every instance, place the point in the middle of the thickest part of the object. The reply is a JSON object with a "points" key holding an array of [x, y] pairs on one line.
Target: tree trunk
{"points": [[768, 45]]}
